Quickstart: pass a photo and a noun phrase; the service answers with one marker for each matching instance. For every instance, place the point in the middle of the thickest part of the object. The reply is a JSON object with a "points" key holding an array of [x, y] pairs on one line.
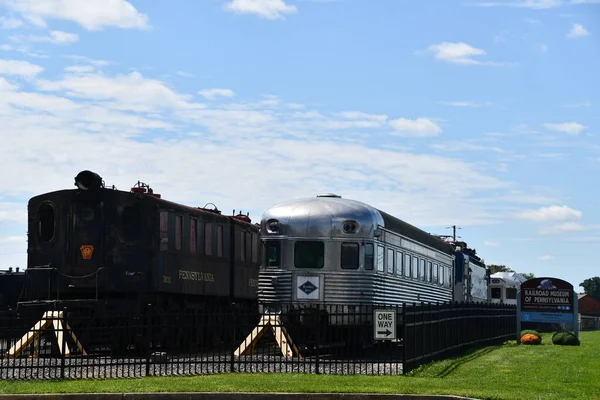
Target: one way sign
{"points": [[385, 324]]}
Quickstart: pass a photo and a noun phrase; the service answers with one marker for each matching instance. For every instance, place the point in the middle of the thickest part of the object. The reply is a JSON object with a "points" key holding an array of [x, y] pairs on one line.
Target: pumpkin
{"points": [[529, 338]]}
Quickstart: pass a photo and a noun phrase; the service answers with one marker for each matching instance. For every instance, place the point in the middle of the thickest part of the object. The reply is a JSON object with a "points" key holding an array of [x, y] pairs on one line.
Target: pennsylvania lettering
{"points": [[196, 276]]}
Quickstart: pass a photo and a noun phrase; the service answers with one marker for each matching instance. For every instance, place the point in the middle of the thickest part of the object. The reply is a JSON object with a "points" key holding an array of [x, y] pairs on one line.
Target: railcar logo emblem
{"points": [[86, 251], [308, 287]]}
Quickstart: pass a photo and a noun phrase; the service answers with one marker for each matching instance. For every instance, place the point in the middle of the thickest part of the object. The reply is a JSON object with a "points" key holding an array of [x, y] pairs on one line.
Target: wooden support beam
{"points": [[283, 339]]}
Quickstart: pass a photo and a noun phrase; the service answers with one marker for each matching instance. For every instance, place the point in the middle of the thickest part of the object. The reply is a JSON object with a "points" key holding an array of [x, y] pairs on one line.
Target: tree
{"points": [[498, 268], [503, 268], [591, 286]]}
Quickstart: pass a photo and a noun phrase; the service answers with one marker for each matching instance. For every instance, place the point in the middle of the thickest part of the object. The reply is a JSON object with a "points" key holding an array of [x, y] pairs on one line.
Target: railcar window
{"points": [[390, 261], [429, 271], [422, 269], [46, 222], [398, 263], [369, 259], [442, 275], [349, 258], [193, 235], [496, 293], [415, 268], [309, 254], [380, 258], [407, 265], [220, 250], [273, 254], [164, 230], [448, 277], [178, 232], [208, 238], [435, 273], [511, 293]]}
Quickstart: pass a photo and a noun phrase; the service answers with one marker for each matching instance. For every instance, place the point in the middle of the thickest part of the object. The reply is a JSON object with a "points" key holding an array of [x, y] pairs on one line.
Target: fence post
{"points": [[404, 338], [148, 337], [234, 326], [64, 341]]}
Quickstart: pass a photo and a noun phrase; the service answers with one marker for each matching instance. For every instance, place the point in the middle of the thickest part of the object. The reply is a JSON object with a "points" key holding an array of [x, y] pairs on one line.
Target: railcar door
{"points": [[86, 239]]}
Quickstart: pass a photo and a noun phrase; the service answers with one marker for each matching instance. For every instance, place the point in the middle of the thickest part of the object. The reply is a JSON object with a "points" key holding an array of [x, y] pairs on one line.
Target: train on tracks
{"points": [[330, 259], [98, 248]]}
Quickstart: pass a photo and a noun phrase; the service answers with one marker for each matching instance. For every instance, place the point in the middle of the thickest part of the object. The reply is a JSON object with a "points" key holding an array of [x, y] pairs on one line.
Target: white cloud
{"points": [[18, 67], [577, 31], [542, 48], [464, 146], [490, 243], [458, 53], [90, 14], [583, 104], [585, 1], [9, 23], [545, 258], [128, 91], [87, 60], [80, 69], [420, 127], [212, 94], [5, 86], [561, 228], [362, 115], [54, 37], [472, 104], [184, 74], [12, 212], [126, 119], [571, 128], [551, 213], [269, 9], [533, 4]]}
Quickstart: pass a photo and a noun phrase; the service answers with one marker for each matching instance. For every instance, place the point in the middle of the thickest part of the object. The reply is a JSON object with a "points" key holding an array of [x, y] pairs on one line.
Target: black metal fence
{"points": [[340, 339]]}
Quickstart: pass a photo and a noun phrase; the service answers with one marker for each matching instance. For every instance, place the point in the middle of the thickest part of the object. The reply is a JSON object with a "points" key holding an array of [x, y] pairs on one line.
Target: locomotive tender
{"points": [[123, 250], [336, 251]]}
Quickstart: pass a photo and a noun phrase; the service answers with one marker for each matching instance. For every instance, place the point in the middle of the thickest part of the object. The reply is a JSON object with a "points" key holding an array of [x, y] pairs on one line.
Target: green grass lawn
{"points": [[509, 371]]}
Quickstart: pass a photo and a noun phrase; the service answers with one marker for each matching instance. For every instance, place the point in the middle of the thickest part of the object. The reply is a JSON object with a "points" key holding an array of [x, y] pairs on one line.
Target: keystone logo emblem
{"points": [[308, 287]]}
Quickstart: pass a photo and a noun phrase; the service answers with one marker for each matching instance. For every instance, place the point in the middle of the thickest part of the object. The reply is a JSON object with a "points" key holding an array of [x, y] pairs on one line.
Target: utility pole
{"points": [[454, 227]]}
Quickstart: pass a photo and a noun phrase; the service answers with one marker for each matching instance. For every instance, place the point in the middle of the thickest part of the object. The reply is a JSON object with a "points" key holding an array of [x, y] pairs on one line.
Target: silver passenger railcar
{"points": [[334, 251]]}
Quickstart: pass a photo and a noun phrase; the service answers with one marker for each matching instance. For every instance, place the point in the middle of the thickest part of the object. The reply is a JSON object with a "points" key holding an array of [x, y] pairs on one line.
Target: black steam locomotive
{"points": [[96, 245]]}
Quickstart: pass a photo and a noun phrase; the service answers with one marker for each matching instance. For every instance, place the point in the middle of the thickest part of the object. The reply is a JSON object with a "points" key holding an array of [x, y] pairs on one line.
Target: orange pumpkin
{"points": [[528, 338]]}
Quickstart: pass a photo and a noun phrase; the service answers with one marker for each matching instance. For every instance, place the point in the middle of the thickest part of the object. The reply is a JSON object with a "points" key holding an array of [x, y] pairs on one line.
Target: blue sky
{"points": [[482, 114]]}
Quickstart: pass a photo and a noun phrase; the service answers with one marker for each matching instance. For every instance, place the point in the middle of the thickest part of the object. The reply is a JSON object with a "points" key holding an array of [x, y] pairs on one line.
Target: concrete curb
{"points": [[227, 396]]}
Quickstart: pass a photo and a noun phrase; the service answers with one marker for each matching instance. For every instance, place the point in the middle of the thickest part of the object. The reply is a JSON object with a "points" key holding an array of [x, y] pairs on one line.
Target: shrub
{"points": [[532, 332], [565, 339], [529, 338]]}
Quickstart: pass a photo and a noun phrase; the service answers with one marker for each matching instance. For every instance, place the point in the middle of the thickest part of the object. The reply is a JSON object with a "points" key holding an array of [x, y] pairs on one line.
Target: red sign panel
{"points": [[547, 295], [86, 251]]}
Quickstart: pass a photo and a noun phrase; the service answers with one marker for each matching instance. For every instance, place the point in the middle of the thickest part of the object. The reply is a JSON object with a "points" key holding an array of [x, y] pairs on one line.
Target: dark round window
{"points": [[349, 226]]}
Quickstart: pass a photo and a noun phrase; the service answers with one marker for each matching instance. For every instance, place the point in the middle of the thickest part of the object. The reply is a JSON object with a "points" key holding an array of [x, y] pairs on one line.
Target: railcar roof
{"points": [[310, 207], [411, 231], [151, 198]]}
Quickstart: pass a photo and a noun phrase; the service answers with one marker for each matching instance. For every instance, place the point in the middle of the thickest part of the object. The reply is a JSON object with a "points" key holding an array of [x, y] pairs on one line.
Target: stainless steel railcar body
{"points": [[336, 251]]}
